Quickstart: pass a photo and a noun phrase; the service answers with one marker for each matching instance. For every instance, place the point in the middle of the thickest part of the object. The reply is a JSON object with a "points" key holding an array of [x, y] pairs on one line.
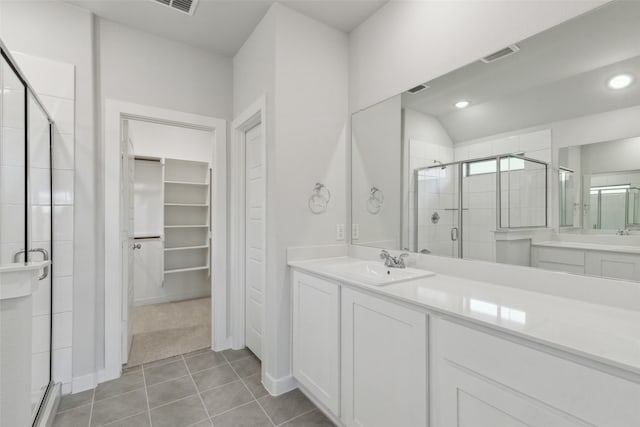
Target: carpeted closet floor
{"points": [[169, 329]]}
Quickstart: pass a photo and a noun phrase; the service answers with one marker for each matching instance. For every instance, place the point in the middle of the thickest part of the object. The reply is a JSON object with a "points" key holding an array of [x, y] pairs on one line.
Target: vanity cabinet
{"points": [[558, 259], [373, 361], [480, 380], [384, 363], [609, 264], [316, 338], [613, 265]]}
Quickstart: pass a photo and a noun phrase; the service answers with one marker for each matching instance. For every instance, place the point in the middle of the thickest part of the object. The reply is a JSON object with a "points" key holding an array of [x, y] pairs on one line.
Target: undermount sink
{"points": [[376, 273]]}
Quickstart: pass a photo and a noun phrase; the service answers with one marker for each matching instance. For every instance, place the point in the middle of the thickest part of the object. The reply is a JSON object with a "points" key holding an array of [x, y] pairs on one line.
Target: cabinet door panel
{"points": [[384, 363], [316, 338], [529, 385], [613, 265]]}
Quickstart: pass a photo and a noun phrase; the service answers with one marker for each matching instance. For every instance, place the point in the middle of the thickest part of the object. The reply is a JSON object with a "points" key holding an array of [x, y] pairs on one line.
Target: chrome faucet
{"points": [[393, 262], [623, 232]]}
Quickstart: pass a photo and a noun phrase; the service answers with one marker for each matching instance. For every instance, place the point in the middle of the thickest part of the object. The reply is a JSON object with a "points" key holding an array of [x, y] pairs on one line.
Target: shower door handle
{"points": [[45, 257], [454, 234]]}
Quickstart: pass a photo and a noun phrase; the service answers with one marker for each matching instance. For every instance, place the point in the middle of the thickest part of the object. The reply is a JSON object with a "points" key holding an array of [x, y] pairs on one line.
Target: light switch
{"points": [[355, 231], [340, 232]]}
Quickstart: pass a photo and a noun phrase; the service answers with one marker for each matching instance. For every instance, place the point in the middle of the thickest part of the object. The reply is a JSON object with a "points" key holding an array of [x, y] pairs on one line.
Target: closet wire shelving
{"points": [[186, 216]]}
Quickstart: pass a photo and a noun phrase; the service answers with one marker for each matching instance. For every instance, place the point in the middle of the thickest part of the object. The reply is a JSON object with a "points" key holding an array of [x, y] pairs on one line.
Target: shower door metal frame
{"points": [[29, 91], [460, 209]]}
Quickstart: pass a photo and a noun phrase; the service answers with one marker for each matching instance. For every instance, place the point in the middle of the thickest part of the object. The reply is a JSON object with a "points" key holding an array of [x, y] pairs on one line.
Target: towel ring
{"points": [[375, 200], [319, 200]]}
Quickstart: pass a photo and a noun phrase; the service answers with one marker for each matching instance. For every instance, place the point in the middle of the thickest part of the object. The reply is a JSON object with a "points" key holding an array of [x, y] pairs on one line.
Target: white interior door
{"points": [[127, 175], [254, 238]]}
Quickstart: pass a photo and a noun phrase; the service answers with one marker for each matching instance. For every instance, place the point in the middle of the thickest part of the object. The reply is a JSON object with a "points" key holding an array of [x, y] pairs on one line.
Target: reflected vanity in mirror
{"points": [[529, 156]]}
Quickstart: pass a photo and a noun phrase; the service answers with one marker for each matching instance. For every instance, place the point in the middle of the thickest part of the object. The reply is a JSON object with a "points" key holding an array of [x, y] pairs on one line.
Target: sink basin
{"points": [[376, 273]]}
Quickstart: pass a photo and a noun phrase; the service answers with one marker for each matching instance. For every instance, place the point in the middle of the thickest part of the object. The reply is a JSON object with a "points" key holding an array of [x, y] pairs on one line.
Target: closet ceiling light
{"points": [[620, 81], [462, 104]]}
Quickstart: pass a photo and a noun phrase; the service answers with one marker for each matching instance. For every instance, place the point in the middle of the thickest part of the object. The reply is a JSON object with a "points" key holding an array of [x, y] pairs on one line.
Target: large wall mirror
{"points": [[529, 156]]}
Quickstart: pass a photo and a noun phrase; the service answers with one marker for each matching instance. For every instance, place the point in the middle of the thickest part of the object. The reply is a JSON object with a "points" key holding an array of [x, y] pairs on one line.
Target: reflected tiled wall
{"points": [[56, 89]]}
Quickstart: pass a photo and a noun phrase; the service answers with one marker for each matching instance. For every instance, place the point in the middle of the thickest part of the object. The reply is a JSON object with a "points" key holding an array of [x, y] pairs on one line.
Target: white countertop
{"points": [[602, 333], [589, 246]]}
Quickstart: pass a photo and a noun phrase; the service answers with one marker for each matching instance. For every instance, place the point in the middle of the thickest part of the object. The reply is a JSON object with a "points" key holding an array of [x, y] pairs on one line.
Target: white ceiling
{"points": [[222, 26], [558, 74]]}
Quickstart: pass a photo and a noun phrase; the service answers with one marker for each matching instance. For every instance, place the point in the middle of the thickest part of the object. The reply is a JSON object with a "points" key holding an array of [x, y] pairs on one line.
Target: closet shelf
{"points": [[193, 205], [181, 270], [201, 184], [185, 248], [187, 226]]}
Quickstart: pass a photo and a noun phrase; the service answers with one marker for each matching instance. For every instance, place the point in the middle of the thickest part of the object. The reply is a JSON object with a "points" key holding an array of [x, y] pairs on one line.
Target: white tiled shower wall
{"points": [[56, 89], [525, 207]]}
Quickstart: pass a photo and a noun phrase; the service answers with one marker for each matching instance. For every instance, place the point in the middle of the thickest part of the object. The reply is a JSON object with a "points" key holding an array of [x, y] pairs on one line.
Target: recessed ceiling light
{"points": [[462, 104], [620, 81]]}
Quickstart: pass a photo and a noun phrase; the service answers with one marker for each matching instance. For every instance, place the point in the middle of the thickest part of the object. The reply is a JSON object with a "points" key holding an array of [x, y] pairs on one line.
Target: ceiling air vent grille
{"points": [[417, 89], [184, 6], [502, 53]]}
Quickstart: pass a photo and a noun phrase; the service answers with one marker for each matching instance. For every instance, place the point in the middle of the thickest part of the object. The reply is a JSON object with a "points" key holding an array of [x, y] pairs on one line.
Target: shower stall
{"points": [[25, 248], [459, 205]]}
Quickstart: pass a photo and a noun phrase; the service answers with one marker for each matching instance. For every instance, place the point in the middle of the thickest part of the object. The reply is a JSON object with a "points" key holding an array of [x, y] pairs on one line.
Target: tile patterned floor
{"points": [[198, 389]]}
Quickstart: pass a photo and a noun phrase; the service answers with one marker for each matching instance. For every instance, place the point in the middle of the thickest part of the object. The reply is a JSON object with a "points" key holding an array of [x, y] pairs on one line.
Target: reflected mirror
{"points": [[529, 149], [610, 188]]}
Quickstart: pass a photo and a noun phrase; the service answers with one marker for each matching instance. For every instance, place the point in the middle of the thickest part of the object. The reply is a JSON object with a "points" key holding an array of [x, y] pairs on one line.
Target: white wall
{"points": [[611, 156], [376, 160], [146, 69], [305, 81], [175, 142], [407, 43], [64, 33]]}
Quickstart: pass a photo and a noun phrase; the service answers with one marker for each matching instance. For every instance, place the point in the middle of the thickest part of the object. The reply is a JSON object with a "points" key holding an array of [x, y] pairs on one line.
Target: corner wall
{"points": [[306, 84]]}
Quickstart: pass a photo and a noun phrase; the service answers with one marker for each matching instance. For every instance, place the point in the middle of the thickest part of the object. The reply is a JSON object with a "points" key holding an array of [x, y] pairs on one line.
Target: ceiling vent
{"points": [[184, 6], [417, 89], [502, 53]]}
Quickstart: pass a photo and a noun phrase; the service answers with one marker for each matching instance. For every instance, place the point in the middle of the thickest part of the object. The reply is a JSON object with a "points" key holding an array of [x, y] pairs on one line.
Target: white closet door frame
{"points": [[248, 119], [115, 112]]}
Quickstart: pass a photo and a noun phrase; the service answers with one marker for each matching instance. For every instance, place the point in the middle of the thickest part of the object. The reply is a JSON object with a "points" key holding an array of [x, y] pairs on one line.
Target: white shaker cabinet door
{"points": [[384, 363], [480, 380], [316, 338]]}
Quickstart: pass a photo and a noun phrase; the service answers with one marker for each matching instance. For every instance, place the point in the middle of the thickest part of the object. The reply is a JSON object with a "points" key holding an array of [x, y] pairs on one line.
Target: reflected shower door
{"points": [[479, 210], [437, 219]]}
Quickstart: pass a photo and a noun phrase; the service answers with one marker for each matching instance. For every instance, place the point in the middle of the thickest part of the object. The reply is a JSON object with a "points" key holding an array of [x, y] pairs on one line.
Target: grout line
{"points": [[123, 419], [93, 399], [232, 409], [166, 381], [254, 398], [197, 391], [298, 416], [77, 407], [118, 394], [146, 394]]}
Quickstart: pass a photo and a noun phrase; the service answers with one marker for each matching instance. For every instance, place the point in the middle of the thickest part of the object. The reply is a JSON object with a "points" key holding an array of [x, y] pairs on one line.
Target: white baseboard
{"points": [[279, 386], [224, 345], [85, 382]]}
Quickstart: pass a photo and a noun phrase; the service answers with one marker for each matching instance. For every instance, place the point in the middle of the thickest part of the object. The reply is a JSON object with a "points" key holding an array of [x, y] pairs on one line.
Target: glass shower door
{"points": [[25, 236], [437, 210], [40, 247]]}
